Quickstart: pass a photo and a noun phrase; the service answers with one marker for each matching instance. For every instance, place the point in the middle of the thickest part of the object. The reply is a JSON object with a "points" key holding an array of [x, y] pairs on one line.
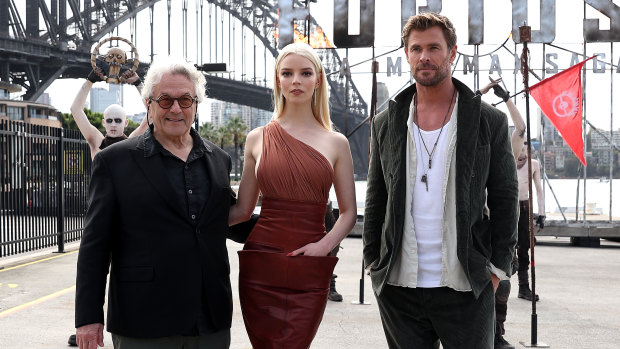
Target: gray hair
{"points": [[162, 66]]}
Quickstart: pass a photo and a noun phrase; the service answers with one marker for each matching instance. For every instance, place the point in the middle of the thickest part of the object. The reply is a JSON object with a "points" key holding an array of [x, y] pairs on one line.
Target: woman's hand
{"points": [[312, 249]]}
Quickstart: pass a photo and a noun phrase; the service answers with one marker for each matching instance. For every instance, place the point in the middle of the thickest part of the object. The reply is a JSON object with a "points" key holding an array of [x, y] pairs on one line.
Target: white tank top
{"points": [[427, 206]]}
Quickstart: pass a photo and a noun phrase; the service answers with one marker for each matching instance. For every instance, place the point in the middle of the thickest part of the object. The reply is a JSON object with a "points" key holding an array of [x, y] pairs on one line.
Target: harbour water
{"points": [[597, 199], [597, 196]]}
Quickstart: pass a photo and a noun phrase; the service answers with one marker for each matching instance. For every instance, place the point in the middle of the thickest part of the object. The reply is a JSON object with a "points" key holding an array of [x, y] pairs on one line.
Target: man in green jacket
{"points": [[438, 154]]}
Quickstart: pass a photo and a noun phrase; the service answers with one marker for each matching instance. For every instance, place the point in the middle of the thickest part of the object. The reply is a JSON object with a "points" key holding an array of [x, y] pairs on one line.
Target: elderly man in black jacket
{"points": [[158, 221], [434, 253]]}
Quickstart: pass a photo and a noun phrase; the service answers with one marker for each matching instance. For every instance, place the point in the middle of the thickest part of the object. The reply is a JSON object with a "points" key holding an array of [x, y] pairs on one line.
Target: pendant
{"points": [[430, 163]]}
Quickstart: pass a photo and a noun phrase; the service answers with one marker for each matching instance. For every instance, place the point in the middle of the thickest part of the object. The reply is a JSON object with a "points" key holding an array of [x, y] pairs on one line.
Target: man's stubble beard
{"points": [[442, 72]]}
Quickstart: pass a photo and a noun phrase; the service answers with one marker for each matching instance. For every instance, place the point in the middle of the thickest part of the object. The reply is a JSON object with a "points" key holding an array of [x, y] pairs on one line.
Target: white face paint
{"points": [[114, 120]]}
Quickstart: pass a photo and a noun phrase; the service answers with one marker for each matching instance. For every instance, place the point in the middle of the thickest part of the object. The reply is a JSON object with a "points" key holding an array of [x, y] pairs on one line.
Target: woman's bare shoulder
{"points": [[255, 134], [338, 139]]}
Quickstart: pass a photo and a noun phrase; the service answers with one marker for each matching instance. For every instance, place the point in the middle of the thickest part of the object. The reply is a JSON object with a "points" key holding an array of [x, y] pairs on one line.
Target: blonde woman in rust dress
{"points": [[284, 267]]}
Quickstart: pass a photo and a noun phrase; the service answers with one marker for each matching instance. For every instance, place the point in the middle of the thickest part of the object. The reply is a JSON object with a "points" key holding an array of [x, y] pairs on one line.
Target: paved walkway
{"points": [[578, 287]]}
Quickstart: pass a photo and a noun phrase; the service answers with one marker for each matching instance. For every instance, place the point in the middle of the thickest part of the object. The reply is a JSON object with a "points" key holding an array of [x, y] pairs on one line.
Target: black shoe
{"points": [[72, 342], [501, 343], [333, 294], [526, 293]]}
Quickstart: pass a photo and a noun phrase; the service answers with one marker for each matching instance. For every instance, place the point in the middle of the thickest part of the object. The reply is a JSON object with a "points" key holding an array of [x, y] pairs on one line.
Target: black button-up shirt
{"points": [[190, 183], [189, 178]]}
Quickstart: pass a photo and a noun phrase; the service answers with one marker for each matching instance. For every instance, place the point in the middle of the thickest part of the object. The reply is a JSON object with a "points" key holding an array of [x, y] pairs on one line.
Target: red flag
{"points": [[560, 99]]}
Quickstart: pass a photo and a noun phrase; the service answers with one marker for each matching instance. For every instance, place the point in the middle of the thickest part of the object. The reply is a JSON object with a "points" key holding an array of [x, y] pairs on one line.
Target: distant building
{"points": [[137, 118], [221, 112], [600, 145], [556, 150], [551, 163], [44, 98], [26, 158], [101, 98], [29, 112], [550, 133]]}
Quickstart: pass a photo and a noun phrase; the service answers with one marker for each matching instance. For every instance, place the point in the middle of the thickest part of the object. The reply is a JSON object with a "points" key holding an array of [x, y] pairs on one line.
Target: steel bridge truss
{"points": [[34, 58]]}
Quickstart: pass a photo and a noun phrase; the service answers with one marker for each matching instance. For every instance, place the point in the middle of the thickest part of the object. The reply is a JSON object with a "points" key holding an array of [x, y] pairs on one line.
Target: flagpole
{"points": [[541, 133], [585, 133], [611, 132], [373, 111], [525, 36]]}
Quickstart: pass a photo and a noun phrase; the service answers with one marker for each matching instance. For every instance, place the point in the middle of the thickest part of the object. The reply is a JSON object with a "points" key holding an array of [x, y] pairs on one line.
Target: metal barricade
{"points": [[44, 178]]}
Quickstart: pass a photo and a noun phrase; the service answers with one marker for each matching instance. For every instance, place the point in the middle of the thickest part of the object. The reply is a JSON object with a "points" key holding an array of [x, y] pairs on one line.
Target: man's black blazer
{"points": [[136, 229]]}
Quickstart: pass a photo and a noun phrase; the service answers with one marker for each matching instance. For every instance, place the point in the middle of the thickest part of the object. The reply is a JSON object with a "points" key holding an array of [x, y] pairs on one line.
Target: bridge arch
{"points": [[35, 59]]}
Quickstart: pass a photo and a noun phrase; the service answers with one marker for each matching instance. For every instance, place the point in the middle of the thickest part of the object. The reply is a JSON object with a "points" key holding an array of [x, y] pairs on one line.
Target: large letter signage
{"points": [[476, 22], [394, 68], [408, 7], [554, 67], [288, 13], [470, 66], [591, 31], [366, 38], [546, 34], [599, 68]]}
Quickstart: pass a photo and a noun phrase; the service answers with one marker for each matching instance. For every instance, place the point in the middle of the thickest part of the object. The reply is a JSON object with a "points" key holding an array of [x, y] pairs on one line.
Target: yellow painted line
{"points": [[36, 301], [38, 261], [12, 285]]}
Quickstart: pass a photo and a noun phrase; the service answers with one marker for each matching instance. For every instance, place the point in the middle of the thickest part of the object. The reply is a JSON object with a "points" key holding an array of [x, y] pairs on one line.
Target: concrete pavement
{"points": [[578, 288]]}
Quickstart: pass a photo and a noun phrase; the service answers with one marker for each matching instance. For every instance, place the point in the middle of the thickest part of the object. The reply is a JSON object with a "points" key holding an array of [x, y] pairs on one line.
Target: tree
{"points": [[218, 135], [571, 167], [209, 131], [131, 126], [602, 170], [96, 119], [237, 128], [223, 136]]}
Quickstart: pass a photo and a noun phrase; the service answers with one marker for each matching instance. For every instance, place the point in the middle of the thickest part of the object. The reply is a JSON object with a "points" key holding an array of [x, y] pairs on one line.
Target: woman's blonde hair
{"points": [[320, 99]]}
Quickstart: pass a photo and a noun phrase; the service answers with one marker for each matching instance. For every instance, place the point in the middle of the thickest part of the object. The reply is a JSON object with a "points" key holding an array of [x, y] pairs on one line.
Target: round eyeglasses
{"points": [[166, 101]]}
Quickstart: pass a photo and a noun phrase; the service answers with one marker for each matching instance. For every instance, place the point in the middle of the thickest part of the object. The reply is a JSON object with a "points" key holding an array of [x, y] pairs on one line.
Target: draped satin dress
{"points": [[283, 298]]}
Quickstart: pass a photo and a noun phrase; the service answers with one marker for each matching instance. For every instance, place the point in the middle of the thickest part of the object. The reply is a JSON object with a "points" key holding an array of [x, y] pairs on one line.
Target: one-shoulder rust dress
{"points": [[283, 298]]}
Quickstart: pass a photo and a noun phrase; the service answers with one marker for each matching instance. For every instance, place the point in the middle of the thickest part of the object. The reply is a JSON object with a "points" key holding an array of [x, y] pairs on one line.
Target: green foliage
{"points": [[238, 129], [67, 121], [95, 119], [218, 135], [131, 126], [208, 131], [224, 136], [571, 167], [602, 170], [232, 133]]}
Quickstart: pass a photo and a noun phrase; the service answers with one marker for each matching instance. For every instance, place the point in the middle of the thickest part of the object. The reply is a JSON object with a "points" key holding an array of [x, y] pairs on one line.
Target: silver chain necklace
{"points": [[430, 154]]}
